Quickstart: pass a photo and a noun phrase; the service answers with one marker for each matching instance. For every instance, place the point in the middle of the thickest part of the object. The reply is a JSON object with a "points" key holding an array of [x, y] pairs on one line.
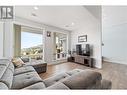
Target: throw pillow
{"points": [[17, 62]]}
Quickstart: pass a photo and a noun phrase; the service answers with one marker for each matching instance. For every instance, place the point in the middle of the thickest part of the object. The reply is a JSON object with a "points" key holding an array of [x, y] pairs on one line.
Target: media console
{"points": [[85, 60], [82, 55]]}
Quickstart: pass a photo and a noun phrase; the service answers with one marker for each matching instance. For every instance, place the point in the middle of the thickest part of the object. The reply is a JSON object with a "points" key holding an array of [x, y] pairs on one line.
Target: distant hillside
{"points": [[32, 50], [38, 46]]}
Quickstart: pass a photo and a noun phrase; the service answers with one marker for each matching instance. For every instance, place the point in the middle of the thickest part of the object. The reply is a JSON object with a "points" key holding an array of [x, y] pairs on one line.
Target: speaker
{"points": [[87, 50], [79, 49]]}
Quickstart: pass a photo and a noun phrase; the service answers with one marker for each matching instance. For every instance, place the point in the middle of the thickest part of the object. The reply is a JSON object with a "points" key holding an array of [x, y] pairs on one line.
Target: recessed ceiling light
{"points": [[36, 8], [72, 23]]}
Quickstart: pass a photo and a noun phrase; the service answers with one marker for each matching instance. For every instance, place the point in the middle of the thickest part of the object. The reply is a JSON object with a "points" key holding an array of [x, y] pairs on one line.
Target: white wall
{"points": [[115, 44], [8, 39], [114, 34], [1, 39], [48, 41], [93, 31]]}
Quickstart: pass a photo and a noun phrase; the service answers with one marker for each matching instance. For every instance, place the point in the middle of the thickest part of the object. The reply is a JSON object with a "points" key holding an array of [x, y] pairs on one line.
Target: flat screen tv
{"points": [[79, 49]]}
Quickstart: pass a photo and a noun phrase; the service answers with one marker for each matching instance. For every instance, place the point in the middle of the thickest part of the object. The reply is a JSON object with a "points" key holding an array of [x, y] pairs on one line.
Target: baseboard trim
{"points": [[112, 61]]}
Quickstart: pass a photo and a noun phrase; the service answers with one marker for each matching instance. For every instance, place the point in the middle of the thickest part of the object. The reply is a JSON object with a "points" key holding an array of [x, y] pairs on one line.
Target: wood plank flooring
{"points": [[117, 73]]}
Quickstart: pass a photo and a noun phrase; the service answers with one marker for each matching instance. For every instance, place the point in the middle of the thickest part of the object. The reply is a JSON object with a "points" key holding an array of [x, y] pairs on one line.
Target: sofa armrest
{"points": [[106, 84], [83, 80]]}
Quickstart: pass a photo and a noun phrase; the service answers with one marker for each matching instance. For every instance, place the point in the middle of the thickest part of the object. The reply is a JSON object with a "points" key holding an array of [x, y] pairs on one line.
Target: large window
{"points": [[31, 45]]}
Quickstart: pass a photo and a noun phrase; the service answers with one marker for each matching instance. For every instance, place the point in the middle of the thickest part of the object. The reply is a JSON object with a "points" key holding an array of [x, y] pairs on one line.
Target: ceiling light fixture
{"points": [[72, 23], [36, 8]]}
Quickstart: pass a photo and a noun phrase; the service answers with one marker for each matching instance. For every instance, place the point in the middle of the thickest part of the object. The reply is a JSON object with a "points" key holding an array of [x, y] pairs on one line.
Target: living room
{"points": [[67, 47], [54, 42], [61, 29]]}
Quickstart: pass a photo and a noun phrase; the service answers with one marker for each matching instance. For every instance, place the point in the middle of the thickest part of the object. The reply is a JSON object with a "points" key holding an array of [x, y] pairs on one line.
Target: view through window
{"points": [[31, 45]]}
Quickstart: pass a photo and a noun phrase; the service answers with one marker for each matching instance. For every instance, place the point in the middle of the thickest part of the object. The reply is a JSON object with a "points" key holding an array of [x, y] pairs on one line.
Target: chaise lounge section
{"points": [[26, 77], [39, 65]]}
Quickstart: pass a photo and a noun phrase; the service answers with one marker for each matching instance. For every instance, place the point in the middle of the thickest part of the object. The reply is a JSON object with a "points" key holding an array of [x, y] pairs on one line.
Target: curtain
{"points": [[17, 40]]}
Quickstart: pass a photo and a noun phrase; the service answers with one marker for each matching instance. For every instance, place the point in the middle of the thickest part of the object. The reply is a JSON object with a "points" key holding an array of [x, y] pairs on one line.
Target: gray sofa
{"points": [[27, 78], [39, 65]]}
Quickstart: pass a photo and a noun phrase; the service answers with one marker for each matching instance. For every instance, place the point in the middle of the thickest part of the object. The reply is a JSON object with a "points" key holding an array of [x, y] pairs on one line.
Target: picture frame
{"points": [[82, 38], [48, 34]]}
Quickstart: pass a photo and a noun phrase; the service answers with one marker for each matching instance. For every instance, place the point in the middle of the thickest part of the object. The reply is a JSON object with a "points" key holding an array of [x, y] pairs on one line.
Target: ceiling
{"points": [[94, 10], [114, 15], [65, 17]]}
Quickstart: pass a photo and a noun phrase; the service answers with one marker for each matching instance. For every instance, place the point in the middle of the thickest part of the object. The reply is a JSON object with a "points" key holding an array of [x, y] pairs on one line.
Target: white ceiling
{"points": [[94, 10], [59, 16], [114, 15]]}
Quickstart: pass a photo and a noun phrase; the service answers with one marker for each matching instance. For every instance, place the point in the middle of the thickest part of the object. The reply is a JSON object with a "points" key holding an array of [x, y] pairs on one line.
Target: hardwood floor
{"points": [[117, 73]]}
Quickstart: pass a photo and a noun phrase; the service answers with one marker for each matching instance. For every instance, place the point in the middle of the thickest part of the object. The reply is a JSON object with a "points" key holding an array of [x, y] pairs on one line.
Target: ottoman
{"points": [[39, 65], [40, 68]]}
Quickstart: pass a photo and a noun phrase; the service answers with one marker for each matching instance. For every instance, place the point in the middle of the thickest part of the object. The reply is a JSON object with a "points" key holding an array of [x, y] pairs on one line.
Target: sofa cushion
{"points": [[7, 77], [35, 62], [11, 67], [6, 72], [74, 71], [39, 85], [7, 64], [58, 86], [52, 80], [83, 80], [23, 69], [3, 86], [2, 70], [39, 65], [26, 79]]}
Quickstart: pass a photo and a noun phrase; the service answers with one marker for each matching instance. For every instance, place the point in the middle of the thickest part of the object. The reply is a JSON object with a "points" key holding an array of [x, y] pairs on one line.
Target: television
{"points": [[79, 49], [87, 50]]}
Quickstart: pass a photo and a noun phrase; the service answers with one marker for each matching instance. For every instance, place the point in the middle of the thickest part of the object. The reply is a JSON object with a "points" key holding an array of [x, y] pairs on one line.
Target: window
{"points": [[31, 45]]}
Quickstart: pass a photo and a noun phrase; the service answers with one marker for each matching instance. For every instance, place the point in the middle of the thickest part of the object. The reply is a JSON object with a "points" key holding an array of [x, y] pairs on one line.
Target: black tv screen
{"points": [[79, 49]]}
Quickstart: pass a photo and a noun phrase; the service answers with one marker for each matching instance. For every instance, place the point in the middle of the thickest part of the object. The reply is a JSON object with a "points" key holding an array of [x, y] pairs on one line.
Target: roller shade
{"points": [[31, 30]]}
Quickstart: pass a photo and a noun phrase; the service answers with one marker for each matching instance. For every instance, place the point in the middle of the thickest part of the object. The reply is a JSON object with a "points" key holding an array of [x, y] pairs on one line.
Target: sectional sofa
{"points": [[26, 77]]}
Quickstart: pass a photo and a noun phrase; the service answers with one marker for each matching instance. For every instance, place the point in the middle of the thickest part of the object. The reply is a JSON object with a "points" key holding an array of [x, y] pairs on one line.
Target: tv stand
{"points": [[85, 60]]}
